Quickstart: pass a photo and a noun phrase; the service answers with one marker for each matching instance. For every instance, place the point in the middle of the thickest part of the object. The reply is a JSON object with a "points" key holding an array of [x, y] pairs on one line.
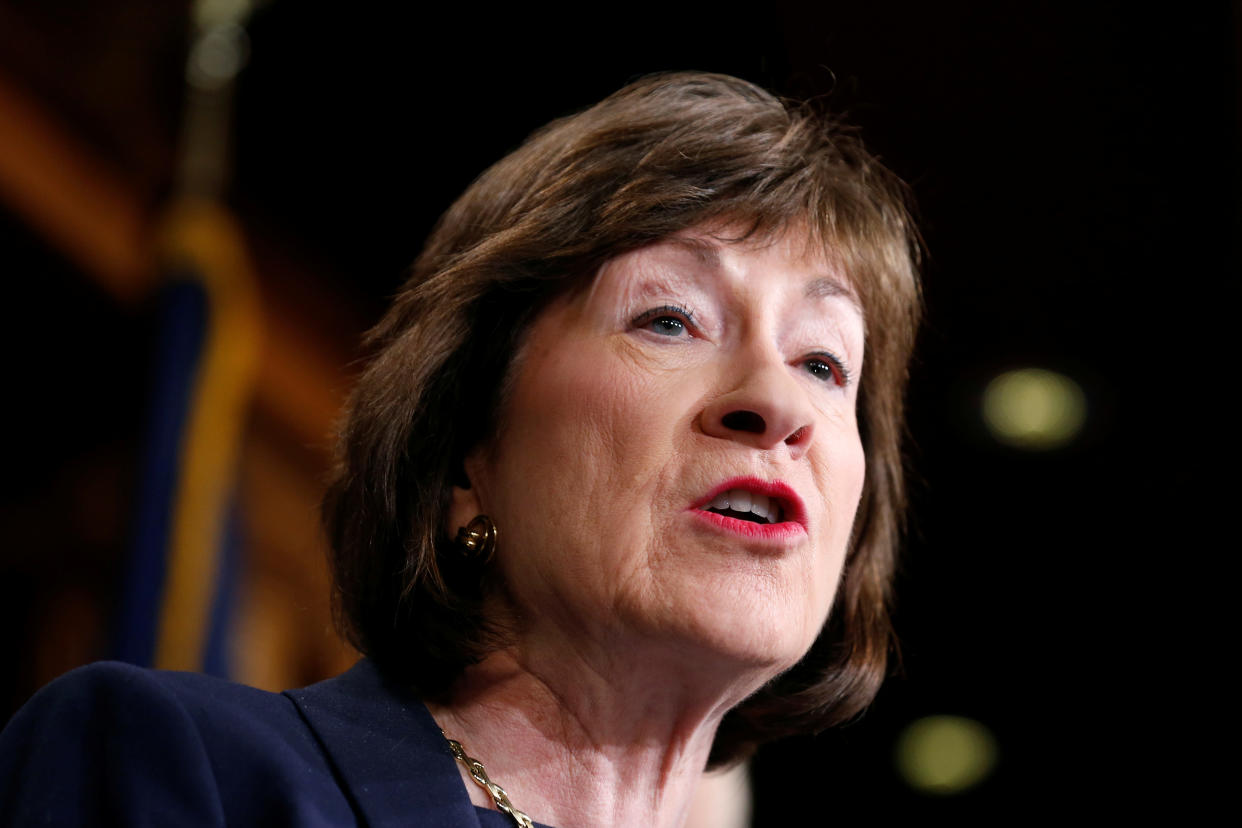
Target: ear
{"points": [[466, 502]]}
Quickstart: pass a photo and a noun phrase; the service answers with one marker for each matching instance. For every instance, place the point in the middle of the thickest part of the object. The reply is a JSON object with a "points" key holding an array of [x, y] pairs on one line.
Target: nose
{"points": [[765, 410]]}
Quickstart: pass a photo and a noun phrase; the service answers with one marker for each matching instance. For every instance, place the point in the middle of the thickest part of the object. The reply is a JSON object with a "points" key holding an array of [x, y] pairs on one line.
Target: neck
{"points": [[574, 745]]}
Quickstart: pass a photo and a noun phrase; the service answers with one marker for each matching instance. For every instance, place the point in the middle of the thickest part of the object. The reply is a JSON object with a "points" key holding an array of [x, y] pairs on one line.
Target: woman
{"points": [[618, 497]]}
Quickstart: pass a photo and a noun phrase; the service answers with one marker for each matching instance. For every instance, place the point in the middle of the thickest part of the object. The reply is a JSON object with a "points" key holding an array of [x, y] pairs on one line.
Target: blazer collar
{"points": [[390, 756]]}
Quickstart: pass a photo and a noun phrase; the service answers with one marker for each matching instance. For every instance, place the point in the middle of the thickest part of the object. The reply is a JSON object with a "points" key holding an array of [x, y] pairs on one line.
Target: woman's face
{"points": [[679, 461]]}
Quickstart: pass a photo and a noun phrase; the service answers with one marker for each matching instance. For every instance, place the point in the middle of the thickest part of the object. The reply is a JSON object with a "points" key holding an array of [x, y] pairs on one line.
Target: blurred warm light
{"points": [[1033, 408], [217, 56], [945, 754], [209, 13]]}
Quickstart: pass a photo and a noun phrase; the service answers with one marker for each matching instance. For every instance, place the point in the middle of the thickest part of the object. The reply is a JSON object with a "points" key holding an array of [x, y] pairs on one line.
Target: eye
{"points": [[667, 325], [669, 320], [828, 368]]}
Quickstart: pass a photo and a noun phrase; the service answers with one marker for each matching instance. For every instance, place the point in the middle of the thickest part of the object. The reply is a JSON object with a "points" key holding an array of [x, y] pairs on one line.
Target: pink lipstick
{"points": [[754, 509]]}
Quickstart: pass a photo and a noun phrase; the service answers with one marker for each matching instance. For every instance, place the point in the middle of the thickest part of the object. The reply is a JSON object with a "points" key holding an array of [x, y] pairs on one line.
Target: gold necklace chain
{"points": [[479, 775]]}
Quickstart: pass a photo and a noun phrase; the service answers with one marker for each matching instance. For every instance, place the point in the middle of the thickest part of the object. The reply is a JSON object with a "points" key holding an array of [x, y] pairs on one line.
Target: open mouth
{"points": [[756, 510], [743, 504]]}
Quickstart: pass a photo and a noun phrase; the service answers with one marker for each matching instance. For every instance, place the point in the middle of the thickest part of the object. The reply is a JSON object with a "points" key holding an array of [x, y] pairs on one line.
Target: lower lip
{"points": [[772, 532]]}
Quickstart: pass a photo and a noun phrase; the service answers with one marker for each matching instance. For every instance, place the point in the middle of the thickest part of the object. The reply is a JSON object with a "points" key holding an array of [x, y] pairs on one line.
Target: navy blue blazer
{"points": [[113, 744]]}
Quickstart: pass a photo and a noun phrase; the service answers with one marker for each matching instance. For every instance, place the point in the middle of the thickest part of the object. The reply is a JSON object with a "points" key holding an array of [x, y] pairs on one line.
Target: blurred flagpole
{"points": [[182, 576]]}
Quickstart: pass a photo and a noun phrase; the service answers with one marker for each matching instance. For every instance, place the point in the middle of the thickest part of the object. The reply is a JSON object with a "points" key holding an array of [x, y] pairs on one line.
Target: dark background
{"points": [[1076, 172]]}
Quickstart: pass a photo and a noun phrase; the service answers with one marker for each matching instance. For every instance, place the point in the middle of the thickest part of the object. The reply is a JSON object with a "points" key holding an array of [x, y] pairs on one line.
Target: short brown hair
{"points": [[664, 154]]}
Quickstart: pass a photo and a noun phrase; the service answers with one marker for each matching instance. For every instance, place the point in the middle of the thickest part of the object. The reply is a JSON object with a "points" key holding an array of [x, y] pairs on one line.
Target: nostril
{"points": [[794, 438], [744, 421]]}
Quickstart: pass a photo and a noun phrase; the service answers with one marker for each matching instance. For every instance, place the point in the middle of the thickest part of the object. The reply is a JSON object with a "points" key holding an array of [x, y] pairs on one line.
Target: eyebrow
{"points": [[826, 286], [821, 288]]}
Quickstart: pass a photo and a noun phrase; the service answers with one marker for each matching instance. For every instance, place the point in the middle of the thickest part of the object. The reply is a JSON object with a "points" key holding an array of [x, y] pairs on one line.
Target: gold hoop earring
{"points": [[477, 539]]}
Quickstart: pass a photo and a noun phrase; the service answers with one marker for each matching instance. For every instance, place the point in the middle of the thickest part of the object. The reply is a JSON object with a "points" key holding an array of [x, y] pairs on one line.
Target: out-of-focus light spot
{"points": [[209, 13], [217, 56], [1034, 409], [945, 754]]}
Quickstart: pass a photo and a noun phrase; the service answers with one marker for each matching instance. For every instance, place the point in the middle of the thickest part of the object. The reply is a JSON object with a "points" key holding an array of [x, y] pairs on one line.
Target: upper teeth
{"points": [[741, 500]]}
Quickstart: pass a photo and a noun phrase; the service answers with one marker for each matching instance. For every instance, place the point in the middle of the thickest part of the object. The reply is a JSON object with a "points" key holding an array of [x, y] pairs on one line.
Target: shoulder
{"points": [[119, 744], [111, 699], [121, 688]]}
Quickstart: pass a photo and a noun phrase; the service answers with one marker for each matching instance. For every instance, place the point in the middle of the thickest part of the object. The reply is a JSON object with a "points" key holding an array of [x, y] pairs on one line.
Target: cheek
{"points": [[847, 493], [842, 471], [576, 475], [577, 436], [853, 473], [840, 462]]}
